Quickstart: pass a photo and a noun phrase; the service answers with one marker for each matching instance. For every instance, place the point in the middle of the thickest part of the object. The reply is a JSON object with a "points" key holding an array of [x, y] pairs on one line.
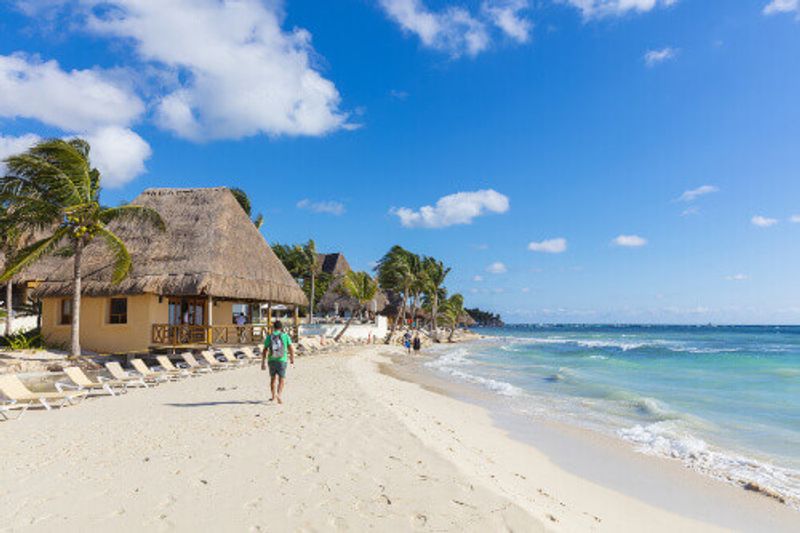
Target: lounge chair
{"points": [[16, 391], [7, 406], [166, 363], [119, 373], [80, 381], [194, 365], [213, 362], [148, 372], [230, 357], [252, 354]]}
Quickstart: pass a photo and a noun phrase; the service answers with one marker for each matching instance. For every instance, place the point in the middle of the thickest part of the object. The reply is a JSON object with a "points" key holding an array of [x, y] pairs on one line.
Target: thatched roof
{"points": [[337, 266], [334, 264], [210, 247]]}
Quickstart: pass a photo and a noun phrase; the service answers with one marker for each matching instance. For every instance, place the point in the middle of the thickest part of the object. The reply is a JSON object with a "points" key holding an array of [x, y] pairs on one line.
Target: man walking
{"points": [[278, 346]]}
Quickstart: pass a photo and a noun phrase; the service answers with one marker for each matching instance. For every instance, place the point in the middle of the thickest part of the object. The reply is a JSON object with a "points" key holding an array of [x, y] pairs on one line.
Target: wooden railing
{"points": [[185, 335]]}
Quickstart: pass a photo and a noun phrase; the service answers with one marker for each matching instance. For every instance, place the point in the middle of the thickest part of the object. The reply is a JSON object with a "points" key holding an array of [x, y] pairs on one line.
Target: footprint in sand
{"points": [[252, 504], [419, 520]]}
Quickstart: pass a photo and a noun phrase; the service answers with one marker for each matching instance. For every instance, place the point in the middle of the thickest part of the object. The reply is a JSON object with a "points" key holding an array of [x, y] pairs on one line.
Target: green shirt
{"points": [[287, 341]]}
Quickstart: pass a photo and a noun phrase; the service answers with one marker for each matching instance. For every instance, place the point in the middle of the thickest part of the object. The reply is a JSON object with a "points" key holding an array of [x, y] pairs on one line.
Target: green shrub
{"points": [[28, 340]]}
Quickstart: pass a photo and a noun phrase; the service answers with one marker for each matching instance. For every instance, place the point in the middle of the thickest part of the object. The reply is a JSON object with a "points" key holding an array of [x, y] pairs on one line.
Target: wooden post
{"points": [[269, 318], [210, 332], [296, 324]]}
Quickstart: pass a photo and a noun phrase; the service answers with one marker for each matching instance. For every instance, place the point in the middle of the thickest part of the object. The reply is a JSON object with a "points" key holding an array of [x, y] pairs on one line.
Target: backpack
{"points": [[276, 345]]}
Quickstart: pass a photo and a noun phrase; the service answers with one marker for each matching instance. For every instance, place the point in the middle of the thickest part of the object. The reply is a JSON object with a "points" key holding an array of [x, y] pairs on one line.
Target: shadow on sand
{"points": [[211, 404]]}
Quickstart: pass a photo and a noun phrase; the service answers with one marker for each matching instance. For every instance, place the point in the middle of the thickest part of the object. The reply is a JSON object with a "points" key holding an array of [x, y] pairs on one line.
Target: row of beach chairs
{"points": [[78, 386]]}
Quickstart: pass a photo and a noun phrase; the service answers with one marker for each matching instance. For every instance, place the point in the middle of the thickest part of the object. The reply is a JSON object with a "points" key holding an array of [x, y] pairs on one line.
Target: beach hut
{"points": [[334, 301], [184, 283]]}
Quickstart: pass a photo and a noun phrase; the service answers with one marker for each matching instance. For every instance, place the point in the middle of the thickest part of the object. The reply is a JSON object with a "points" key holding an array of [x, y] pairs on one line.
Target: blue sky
{"points": [[560, 136]]}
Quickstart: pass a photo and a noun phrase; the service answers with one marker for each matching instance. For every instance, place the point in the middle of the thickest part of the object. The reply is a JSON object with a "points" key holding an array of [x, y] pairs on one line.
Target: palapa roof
{"points": [[337, 266], [39, 270], [210, 247], [334, 264]]}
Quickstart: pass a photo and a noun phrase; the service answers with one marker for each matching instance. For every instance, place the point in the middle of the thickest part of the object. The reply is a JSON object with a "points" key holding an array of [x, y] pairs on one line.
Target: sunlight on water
{"points": [[723, 400]]}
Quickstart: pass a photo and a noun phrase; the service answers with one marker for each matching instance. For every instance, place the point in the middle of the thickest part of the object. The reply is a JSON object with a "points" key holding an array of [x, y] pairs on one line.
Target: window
{"points": [[66, 312], [118, 311]]}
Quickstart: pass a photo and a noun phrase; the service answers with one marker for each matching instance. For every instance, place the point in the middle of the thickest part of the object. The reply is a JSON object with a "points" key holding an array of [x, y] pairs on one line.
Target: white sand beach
{"points": [[351, 449]]}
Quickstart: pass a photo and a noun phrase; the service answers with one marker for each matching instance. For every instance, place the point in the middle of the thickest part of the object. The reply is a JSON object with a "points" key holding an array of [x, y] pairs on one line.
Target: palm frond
{"points": [[122, 259], [133, 212], [31, 254]]}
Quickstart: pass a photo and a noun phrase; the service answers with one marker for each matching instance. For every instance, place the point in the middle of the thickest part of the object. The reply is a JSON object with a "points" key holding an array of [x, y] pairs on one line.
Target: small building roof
{"points": [[337, 266], [210, 247]]}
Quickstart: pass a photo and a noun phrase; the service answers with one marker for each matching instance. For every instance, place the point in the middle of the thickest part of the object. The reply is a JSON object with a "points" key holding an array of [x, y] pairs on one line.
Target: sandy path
{"points": [[209, 453]]}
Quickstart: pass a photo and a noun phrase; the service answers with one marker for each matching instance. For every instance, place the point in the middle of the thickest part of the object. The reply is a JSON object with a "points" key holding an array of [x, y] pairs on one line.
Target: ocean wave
{"points": [[665, 439]]}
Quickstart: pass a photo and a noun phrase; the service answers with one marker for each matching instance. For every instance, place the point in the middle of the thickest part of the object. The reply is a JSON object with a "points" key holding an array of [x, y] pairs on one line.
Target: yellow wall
{"points": [[97, 334]]}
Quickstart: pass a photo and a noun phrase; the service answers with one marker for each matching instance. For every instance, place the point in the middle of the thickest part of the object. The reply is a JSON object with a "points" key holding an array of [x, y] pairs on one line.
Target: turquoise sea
{"points": [[723, 400]]}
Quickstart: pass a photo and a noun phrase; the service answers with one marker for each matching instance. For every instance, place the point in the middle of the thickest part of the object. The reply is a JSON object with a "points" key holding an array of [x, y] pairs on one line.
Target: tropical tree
{"points": [[394, 271], [452, 310], [244, 201], [361, 287], [311, 267], [9, 244], [53, 188], [432, 281]]}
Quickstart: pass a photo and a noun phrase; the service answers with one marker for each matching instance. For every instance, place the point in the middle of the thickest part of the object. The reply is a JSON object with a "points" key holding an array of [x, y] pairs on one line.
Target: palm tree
{"points": [[434, 274], [53, 188], [452, 310], [244, 201], [9, 243], [394, 272], [311, 268], [360, 286]]}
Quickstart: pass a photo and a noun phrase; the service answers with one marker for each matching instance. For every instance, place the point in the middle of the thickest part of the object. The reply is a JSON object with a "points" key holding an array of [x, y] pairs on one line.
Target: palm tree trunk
{"points": [[9, 307], [75, 348], [434, 311], [347, 325], [452, 332], [311, 299], [400, 315]]}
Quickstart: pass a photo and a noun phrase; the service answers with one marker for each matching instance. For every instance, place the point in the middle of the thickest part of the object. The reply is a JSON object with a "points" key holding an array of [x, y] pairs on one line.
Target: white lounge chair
{"points": [[212, 361], [148, 372], [194, 365], [8, 406], [14, 389], [80, 381], [230, 357], [166, 363], [116, 370]]}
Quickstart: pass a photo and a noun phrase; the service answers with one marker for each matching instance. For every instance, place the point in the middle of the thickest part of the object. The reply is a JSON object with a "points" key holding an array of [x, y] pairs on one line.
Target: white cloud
{"points": [[87, 103], [689, 211], [763, 222], [525, 290], [602, 8], [119, 154], [74, 101], [795, 219], [453, 30], [782, 6], [454, 209], [550, 246], [330, 207], [497, 268], [457, 31], [656, 57], [629, 241], [737, 277], [15, 145], [477, 279], [505, 14], [693, 194], [236, 72]]}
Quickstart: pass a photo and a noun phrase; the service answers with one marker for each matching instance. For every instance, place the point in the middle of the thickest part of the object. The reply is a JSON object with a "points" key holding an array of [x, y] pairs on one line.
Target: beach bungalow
{"points": [[334, 302], [184, 284], [23, 285]]}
